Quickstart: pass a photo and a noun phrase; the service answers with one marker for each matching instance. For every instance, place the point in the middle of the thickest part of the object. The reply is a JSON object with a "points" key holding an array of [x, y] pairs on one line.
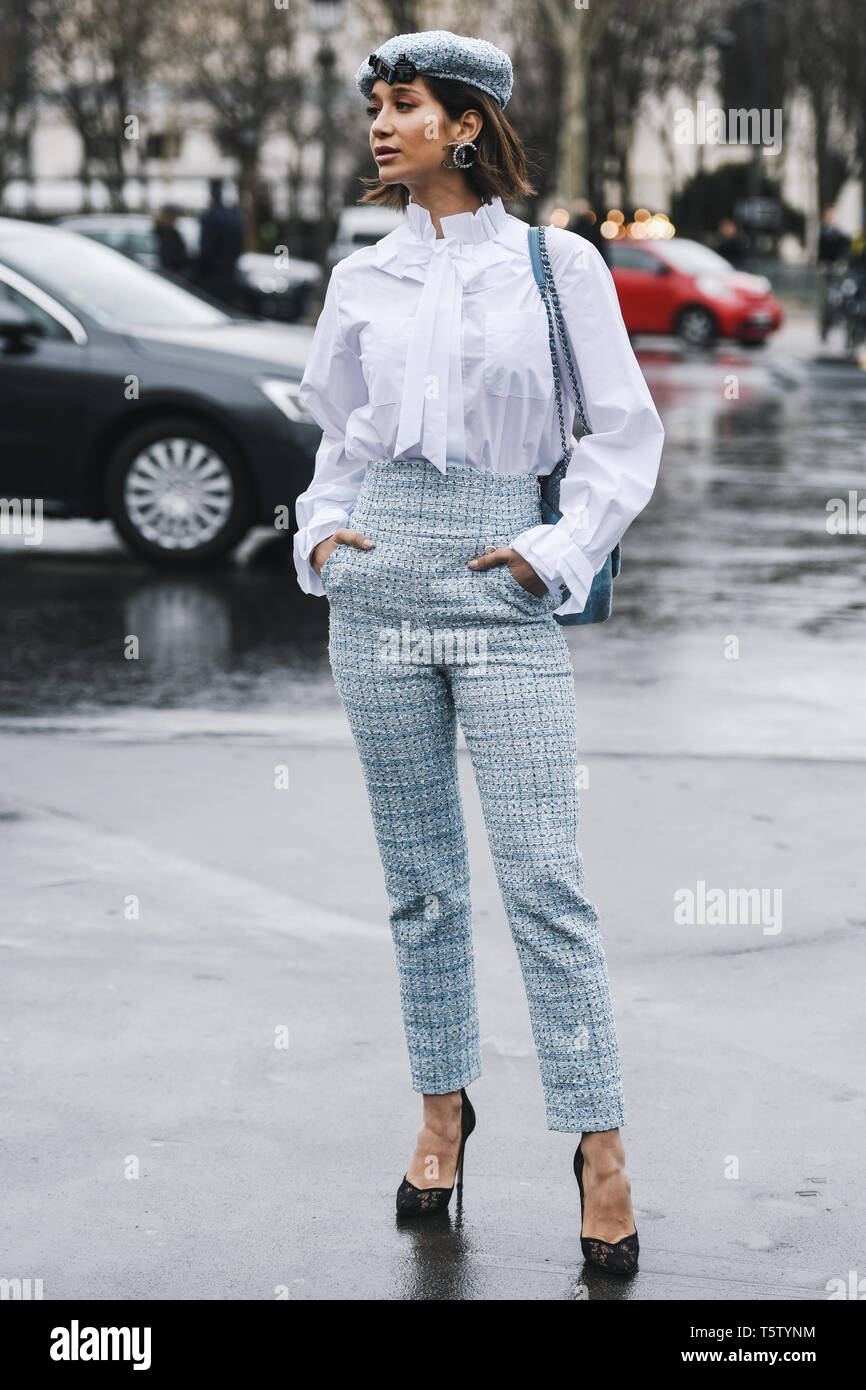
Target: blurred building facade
{"points": [[176, 152]]}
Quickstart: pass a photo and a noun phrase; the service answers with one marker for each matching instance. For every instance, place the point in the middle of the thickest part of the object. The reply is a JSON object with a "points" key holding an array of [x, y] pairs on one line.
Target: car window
{"points": [[139, 243], [632, 258], [100, 234], [53, 329], [694, 259], [118, 238], [114, 290]]}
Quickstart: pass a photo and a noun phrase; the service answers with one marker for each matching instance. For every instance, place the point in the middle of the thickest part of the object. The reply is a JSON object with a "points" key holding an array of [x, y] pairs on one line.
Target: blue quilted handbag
{"points": [[599, 601]]}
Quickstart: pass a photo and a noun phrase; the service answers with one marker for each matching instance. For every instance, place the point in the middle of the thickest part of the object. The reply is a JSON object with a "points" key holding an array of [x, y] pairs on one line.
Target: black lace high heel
{"points": [[420, 1201], [620, 1258]]}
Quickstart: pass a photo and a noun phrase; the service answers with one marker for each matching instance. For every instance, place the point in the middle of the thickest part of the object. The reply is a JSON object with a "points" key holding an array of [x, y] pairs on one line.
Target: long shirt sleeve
{"points": [[332, 387], [613, 470]]}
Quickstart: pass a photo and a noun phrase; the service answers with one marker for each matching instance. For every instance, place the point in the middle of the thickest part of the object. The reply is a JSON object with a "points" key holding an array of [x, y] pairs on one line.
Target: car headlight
{"points": [[286, 397]]}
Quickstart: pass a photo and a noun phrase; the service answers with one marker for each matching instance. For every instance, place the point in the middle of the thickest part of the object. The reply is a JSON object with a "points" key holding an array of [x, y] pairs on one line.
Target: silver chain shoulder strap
{"points": [[548, 294]]}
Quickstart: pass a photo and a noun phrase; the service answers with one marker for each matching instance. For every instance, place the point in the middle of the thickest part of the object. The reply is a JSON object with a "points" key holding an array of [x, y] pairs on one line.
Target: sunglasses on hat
{"points": [[404, 70]]}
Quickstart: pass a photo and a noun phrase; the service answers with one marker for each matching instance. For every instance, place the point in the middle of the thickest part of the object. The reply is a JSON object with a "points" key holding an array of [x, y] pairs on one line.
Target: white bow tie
{"points": [[447, 266]]}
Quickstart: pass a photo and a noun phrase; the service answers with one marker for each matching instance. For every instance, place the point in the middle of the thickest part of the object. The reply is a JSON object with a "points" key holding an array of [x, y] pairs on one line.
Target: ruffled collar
{"points": [[481, 245], [484, 224], [477, 251]]}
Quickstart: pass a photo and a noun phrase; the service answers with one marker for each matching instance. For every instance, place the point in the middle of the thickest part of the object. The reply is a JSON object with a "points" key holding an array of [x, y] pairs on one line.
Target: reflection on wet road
{"points": [[738, 623]]}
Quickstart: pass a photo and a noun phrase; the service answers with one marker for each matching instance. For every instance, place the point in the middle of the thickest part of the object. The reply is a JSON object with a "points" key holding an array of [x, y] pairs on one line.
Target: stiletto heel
{"points": [[620, 1258], [420, 1201]]}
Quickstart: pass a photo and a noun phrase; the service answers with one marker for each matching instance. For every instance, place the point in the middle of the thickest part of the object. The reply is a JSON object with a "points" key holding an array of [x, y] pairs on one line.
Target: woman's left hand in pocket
{"points": [[520, 568]]}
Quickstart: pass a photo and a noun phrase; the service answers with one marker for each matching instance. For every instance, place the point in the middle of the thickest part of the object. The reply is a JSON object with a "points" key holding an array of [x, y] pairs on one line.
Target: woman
{"points": [[430, 375]]}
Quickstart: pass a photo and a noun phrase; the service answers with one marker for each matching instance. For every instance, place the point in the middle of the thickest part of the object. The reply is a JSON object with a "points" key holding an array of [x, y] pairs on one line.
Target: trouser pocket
{"points": [[513, 587]]}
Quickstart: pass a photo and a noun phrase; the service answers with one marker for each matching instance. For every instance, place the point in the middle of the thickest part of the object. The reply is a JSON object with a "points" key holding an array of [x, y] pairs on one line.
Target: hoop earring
{"points": [[460, 160]]}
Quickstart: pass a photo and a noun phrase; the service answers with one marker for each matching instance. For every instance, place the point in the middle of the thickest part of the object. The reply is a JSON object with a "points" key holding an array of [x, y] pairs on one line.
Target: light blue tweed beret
{"points": [[439, 53]]}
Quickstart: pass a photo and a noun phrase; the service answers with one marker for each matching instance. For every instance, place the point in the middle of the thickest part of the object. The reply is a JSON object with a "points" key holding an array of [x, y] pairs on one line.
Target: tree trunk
{"points": [[624, 177], [84, 176], [115, 179], [247, 195], [293, 210], [572, 173], [819, 115]]}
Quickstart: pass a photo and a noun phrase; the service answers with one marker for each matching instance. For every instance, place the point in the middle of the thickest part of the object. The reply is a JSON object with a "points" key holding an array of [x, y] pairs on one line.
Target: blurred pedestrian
{"points": [[833, 244], [173, 254], [731, 243], [833, 248], [222, 241], [583, 222]]}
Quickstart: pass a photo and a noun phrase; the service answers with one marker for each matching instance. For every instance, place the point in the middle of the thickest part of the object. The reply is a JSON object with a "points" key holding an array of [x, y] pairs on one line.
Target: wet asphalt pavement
{"points": [[149, 786]]}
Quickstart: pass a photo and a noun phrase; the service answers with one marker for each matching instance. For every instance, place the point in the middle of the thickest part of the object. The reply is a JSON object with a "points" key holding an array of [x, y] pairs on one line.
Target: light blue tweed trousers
{"points": [[417, 641]]}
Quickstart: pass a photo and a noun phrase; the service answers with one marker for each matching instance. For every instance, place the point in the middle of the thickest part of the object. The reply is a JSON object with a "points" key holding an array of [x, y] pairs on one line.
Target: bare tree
{"points": [[852, 43], [15, 87], [573, 32], [98, 56], [827, 43], [612, 55], [240, 64]]}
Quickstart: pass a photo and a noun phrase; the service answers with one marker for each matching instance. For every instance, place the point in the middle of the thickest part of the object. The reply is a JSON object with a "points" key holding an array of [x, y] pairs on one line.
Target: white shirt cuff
{"points": [[558, 561], [306, 541]]}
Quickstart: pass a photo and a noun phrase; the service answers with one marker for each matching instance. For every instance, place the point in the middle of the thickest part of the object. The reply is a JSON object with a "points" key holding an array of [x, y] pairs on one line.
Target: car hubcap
{"points": [[697, 328], [178, 493]]}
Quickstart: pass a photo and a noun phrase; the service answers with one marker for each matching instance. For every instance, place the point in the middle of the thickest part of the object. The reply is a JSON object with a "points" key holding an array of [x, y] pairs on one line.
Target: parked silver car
{"points": [[271, 289], [362, 226]]}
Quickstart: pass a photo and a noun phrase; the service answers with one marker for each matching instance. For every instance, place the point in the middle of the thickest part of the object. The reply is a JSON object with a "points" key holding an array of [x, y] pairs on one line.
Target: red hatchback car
{"points": [[679, 286]]}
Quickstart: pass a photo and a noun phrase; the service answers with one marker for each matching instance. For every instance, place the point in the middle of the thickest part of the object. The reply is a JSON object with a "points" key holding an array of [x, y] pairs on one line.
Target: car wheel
{"points": [[696, 326], [178, 493]]}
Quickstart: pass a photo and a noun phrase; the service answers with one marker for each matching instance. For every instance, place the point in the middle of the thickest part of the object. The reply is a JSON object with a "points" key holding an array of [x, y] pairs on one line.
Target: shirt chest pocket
{"points": [[517, 355], [384, 345]]}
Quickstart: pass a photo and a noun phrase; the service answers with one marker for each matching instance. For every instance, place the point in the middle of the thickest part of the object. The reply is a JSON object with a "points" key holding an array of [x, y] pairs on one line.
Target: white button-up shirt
{"points": [[438, 348]]}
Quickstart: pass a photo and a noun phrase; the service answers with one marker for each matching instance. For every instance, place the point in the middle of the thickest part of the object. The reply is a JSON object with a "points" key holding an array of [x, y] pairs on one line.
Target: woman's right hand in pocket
{"points": [[342, 536]]}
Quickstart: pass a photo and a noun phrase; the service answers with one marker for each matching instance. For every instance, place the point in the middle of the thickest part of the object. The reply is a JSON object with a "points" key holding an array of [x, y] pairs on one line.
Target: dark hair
{"points": [[499, 169]]}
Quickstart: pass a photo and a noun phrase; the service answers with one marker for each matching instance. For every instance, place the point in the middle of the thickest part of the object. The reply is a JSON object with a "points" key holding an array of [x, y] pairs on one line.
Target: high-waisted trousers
{"points": [[417, 641]]}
